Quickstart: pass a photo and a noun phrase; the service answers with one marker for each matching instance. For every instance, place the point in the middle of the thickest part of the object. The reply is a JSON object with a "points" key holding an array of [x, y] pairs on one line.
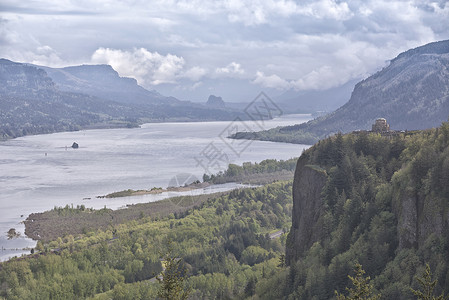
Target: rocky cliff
{"points": [[379, 200], [21, 79], [215, 101], [104, 82], [31, 103], [308, 184], [420, 214]]}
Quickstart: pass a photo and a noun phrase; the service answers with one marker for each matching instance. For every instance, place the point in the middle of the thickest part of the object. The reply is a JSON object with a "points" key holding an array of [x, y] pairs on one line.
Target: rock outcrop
{"points": [[419, 217], [215, 102], [344, 185], [23, 80], [308, 184]]}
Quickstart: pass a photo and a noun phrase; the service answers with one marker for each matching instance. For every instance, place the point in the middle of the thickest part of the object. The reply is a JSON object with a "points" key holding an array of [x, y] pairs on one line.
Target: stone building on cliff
{"points": [[380, 126]]}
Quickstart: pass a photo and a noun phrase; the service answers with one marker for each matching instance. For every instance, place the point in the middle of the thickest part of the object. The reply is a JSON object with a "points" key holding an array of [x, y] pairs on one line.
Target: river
{"points": [[40, 172]]}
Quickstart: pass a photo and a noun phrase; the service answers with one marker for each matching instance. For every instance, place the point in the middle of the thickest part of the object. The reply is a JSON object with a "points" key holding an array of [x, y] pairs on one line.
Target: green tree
{"points": [[427, 286], [362, 288], [250, 288], [172, 286]]}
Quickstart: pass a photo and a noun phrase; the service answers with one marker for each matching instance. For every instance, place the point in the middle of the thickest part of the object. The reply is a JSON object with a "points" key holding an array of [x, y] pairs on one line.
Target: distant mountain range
{"points": [[411, 93], [315, 101], [35, 100], [104, 82]]}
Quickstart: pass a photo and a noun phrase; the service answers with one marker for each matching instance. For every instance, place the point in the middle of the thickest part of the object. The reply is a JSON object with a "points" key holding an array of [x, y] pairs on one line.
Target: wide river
{"points": [[40, 172]]}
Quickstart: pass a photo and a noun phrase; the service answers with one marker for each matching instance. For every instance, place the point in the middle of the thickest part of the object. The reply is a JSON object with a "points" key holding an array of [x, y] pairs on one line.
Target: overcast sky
{"points": [[190, 49]]}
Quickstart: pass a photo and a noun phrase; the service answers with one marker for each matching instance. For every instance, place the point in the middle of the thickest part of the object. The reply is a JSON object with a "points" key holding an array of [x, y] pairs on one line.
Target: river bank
{"points": [[64, 221], [109, 160], [155, 190]]}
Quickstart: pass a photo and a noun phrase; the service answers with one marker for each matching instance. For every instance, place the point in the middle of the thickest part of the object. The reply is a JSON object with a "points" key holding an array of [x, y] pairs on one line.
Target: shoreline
{"points": [[155, 191], [63, 221], [49, 225], [118, 124]]}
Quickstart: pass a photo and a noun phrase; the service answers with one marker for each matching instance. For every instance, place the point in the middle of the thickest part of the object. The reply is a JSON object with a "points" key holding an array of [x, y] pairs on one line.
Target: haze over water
{"points": [[39, 172]]}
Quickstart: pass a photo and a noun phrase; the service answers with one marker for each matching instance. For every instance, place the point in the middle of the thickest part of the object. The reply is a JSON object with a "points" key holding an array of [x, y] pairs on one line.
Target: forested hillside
{"points": [[380, 201], [225, 244]]}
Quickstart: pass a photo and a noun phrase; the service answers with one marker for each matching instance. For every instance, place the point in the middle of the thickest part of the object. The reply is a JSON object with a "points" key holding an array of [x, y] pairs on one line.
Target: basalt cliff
{"points": [[379, 200]]}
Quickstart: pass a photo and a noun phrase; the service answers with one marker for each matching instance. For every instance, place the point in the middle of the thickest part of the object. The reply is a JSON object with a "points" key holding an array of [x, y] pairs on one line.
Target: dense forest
{"points": [[266, 171], [228, 246], [384, 204], [225, 244]]}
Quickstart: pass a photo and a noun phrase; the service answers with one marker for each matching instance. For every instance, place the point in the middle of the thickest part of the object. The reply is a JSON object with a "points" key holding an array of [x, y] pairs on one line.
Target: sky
{"points": [[229, 48]]}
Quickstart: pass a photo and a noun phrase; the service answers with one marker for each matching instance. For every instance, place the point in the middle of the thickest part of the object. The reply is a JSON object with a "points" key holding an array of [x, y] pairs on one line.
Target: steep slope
{"points": [[376, 200], [215, 101], [411, 93], [21, 80], [31, 104], [86, 96], [104, 82]]}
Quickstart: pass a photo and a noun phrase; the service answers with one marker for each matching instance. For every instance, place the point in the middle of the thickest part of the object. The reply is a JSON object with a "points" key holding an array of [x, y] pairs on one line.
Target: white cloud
{"points": [[147, 67], [272, 81], [231, 69], [253, 13], [195, 73], [282, 44], [196, 85], [324, 77], [45, 56], [328, 9]]}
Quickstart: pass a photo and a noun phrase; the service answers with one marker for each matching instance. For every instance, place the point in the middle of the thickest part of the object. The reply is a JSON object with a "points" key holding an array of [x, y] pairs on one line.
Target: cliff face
{"points": [[307, 208], [366, 198], [419, 216], [30, 103], [21, 79], [214, 101], [104, 82]]}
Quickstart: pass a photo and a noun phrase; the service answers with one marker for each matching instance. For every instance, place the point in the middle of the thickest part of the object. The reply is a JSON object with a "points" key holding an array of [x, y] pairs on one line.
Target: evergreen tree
{"points": [[362, 288], [172, 279], [427, 286], [250, 288]]}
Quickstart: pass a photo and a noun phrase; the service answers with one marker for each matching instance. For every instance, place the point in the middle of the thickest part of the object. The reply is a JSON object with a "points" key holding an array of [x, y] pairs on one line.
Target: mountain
{"points": [[214, 101], [315, 101], [36, 100], [412, 92], [104, 82], [380, 201], [19, 79], [31, 104]]}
